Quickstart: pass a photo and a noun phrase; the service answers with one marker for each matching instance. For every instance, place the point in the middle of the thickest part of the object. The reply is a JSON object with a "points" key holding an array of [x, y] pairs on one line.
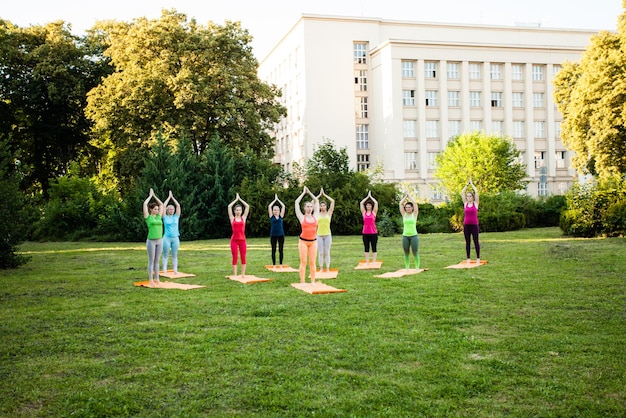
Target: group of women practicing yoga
{"points": [[315, 239]]}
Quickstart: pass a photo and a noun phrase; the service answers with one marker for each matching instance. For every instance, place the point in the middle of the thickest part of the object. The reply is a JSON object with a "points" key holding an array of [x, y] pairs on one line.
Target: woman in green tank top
{"points": [[410, 241]]}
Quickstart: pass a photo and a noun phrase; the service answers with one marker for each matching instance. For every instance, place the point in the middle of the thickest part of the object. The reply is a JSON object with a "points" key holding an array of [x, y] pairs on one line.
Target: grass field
{"points": [[539, 331]]}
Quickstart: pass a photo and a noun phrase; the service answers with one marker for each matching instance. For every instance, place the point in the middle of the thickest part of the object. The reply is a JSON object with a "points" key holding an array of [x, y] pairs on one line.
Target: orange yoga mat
{"points": [[249, 279], [168, 285], [465, 265], [326, 274], [370, 266], [281, 269], [401, 273], [317, 288], [171, 275]]}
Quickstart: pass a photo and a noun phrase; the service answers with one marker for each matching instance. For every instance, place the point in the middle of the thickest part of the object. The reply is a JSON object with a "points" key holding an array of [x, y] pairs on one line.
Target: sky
{"points": [[268, 20]]}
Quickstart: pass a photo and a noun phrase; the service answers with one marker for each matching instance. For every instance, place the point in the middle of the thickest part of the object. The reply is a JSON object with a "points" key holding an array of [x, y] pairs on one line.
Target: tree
{"points": [[591, 95], [12, 232], [185, 80], [491, 162], [45, 74], [328, 167]]}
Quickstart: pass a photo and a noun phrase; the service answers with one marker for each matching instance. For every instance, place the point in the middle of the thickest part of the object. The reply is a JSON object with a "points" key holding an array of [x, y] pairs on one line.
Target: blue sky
{"points": [[268, 20]]}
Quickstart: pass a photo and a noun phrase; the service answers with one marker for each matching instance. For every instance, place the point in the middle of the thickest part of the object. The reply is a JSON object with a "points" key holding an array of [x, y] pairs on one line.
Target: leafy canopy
{"points": [[591, 96], [491, 161]]}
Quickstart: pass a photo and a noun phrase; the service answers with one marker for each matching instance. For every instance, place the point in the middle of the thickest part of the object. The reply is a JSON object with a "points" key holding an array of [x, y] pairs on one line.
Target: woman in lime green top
{"points": [[153, 214], [324, 237], [409, 232]]}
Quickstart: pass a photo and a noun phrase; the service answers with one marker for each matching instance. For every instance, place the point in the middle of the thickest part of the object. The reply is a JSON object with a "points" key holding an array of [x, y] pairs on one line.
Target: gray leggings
{"points": [[155, 248], [323, 249]]}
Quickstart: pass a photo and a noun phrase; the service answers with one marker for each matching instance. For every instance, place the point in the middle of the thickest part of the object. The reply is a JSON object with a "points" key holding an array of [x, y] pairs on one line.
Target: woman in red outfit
{"points": [[470, 220], [238, 239], [307, 245]]}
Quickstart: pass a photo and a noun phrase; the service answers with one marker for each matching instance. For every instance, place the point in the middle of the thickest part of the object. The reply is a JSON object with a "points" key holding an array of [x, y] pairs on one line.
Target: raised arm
{"points": [[463, 194], [161, 205], [332, 205], [246, 208], [146, 212], [404, 199], [176, 204], [375, 207], [316, 203], [282, 207], [270, 206], [362, 203], [231, 215], [298, 209], [471, 183]]}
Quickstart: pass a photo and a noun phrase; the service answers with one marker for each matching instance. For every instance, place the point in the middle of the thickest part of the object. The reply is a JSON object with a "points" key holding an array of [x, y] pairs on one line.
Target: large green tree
{"points": [[591, 96], [175, 76], [45, 74], [491, 161]]}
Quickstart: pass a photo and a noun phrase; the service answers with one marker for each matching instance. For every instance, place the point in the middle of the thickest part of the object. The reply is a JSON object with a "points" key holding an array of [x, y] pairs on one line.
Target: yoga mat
{"points": [[171, 275], [328, 274], [248, 279], [168, 285], [465, 265], [370, 266], [279, 269], [317, 288], [400, 273]]}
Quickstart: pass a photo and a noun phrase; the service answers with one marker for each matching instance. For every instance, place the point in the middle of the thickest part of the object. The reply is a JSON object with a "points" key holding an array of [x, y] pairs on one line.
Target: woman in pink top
{"points": [[369, 208], [238, 239], [307, 245], [470, 220]]}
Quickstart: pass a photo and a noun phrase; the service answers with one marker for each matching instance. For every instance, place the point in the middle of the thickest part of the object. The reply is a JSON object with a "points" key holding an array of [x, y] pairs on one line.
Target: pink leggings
{"points": [[307, 249], [238, 244]]}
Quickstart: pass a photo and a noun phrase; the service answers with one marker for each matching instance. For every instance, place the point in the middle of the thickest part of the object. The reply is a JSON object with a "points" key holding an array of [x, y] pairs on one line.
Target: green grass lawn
{"points": [[539, 331]]}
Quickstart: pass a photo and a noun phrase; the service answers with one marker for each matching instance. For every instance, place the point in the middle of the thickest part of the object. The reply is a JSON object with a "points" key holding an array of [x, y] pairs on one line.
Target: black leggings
{"points": [[370, 239], [471, 232], [280, 240]]}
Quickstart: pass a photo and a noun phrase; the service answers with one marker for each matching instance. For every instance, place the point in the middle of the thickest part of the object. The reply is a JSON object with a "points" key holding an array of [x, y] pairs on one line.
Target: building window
{"points": [[557, 130], [408, 97], [542, 189], [538, 100], [408, 69], [497, 127], [496, 99], [361, 106], [517, 72], [454, 128], [474, 99], [410, 160], [518, 99], [540, 129], [495, 72], [518, 129], [432, 160], [476, 125], [360, 80], [409, 128], [453, 70], [362, 137], [432, 129], [539, 159], [561, 187], [537, 72], [436, 194], [362, 162], [453, 99], [360, 53], [430, 70], [560, 159], [431, 98], [474, 71], [555, 69]]}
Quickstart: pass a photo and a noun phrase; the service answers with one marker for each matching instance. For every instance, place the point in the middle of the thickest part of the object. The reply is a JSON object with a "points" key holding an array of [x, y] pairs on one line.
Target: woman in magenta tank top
{"points": [[470, 220], [238, 239]]}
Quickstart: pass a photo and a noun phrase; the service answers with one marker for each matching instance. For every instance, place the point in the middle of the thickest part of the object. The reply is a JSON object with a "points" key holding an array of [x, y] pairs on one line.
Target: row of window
{"points": [[410, 159], [497, 128], [454, 99], [431, 70]]}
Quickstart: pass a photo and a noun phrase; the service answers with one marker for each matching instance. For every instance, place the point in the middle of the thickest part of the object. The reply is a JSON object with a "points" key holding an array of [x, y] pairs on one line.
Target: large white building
{"points": [[394, 92]]}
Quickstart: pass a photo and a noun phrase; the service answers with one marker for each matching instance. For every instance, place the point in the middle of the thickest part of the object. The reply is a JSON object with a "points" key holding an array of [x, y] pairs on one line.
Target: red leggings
{"points": [[238, 245]]}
